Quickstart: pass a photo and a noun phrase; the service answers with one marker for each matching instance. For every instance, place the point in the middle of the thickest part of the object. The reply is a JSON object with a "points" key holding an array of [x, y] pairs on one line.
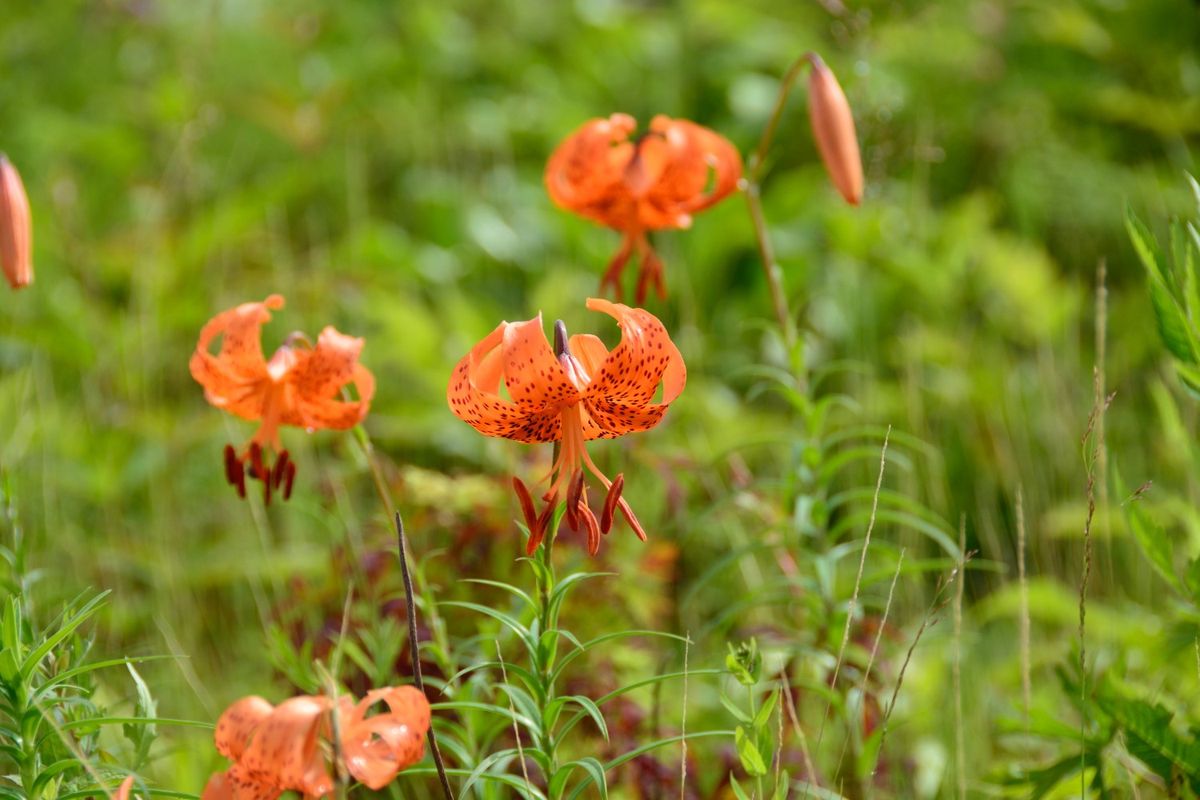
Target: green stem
{"points": [[547, 646], [758, 779], [766, 251], [436, 625]]}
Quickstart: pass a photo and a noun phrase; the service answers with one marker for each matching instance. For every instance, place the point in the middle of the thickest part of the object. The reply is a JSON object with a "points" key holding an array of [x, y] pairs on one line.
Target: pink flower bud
{"points": [[833, 128], [16, 230]]}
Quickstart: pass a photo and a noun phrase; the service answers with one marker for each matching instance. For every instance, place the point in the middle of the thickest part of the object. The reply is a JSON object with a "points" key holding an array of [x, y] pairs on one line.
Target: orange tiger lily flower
{"points": [[573, 393], [653, 182], [298, 386], [280, 748]]}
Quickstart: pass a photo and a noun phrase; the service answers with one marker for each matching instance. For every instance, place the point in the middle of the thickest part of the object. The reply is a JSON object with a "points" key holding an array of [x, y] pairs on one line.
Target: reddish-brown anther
{"points": [[300, 385], [610, 503], [833, 128], [634, 185], [16, 227], [579, 393]]}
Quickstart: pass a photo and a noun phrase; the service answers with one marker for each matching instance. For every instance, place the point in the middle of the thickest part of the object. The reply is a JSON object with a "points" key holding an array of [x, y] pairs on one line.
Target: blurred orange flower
{"points": [[570, 394], [16, 227], [298, 386], [655, 181], [280, 748]]}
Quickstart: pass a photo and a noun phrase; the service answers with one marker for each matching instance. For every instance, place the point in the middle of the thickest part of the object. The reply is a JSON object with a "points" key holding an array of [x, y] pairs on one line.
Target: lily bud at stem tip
{"points": [[833, 128], [16, 229]]}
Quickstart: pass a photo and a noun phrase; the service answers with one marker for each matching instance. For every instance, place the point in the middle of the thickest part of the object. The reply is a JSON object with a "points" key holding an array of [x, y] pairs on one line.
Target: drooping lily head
{"points": [[568, 394], [275, 749], [654, 181], [299, 385]]}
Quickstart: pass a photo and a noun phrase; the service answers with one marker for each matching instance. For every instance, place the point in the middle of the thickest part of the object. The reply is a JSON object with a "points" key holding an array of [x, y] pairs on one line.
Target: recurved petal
{"points": [[329, 366], [535, 379], [473, 396], [284, 751], [320, 414], [620, 396], [237, 724], [692, 157], [590, 161], [228, 377], [586, 173], [377, 748]]}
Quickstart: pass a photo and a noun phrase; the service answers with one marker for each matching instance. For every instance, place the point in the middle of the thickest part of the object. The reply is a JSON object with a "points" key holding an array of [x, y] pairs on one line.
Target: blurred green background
{"points": [[380, 165]]}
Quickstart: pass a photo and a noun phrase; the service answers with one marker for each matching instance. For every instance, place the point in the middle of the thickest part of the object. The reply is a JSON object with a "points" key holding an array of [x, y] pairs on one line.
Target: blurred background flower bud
{"points": [[833, 128], [16, 229]]}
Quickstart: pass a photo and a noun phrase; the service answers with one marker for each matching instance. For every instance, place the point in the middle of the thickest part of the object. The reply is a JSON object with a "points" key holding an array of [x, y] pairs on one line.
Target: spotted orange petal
{"points": [[285, 751], [237, 724], [329, 366], [237, 783], [535, 379], [231, 377], [319, 375], [474, 393], [619, 398], [376, 748], [586, 173], [688, 154]]}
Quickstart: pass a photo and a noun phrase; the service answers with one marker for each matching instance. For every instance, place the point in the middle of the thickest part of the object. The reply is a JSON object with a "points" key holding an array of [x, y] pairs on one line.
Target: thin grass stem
{"points": [[415, 653]]}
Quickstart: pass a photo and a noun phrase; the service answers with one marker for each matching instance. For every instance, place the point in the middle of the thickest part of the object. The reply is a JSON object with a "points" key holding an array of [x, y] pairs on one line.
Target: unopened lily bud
{"points": [[833, 128], [16, 230]]}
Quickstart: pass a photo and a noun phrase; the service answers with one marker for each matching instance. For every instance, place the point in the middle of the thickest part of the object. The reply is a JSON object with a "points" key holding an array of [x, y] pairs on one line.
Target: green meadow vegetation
{"points": [[938, 537]]}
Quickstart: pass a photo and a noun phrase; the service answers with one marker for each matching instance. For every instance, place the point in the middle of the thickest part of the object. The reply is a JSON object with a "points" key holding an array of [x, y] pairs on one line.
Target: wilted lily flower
{"points": [[298, 386], [570, 394], [16, 228], [655, 181], [833, 128], [275, 749]]}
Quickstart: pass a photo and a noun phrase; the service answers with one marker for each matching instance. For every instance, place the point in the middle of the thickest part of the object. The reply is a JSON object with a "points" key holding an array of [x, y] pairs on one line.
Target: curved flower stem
{"points": [[758, 158], [415, 654], [752, 189]]}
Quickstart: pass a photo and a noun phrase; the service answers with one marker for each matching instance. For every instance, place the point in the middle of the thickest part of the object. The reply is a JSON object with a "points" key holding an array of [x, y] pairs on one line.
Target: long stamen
{"points": [[626, 510]]}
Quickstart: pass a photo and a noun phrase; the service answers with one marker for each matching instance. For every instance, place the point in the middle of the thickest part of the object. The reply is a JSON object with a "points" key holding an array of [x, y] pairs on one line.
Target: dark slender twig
{"points": [[414, 652]]}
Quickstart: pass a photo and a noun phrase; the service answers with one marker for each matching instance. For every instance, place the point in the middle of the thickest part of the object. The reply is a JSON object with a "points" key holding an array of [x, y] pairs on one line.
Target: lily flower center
{"points": [[567, 473]]}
